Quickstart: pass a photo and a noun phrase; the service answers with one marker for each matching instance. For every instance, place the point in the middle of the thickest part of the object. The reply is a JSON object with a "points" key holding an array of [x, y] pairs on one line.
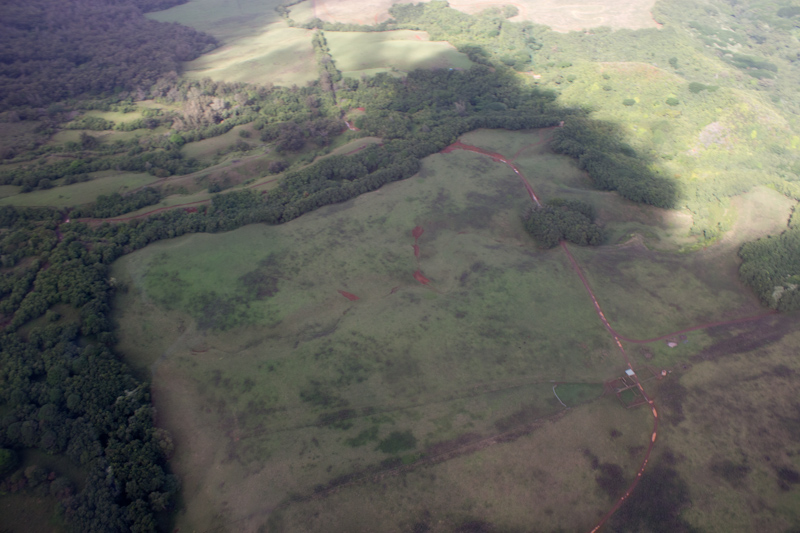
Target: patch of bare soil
{"points": [[576, 15]]}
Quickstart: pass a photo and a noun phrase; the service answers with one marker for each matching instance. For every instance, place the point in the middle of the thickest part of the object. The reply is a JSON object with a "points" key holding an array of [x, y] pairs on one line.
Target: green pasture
{"points": [[646, 293], [224, 19], [247, 333], [9, 190], [208, 149], [256, 46], [278, 55], [65, 136], [105, 182], [266, 374], [732, 420], [356, 53], [547, 476]]}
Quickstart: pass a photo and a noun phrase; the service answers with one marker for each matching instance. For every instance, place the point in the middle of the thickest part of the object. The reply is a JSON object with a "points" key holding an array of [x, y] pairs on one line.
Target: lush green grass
{"points": [[248, 334], [731, 422], [357, 53], [301, 364], [208, 149], [256, 46], [105, 182], [9, 190], [224, 19], [278, 55]]}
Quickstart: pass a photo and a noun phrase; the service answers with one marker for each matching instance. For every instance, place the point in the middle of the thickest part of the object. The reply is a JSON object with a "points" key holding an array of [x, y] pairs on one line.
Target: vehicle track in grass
{"points": [[499, 158], [458, 145]]}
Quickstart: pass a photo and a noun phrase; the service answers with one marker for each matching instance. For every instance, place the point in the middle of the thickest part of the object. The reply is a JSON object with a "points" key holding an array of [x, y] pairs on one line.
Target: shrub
{"points": [[673, 101], [398, 441], [628, 102]]}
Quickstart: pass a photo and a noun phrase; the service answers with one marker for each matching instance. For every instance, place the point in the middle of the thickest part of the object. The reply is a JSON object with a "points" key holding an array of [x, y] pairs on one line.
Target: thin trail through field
{"points": [[458, 145]]}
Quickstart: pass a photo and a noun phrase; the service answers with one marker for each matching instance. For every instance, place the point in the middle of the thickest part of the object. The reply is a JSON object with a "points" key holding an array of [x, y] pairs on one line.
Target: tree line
{"points": [[771, 266], [611, 164]]}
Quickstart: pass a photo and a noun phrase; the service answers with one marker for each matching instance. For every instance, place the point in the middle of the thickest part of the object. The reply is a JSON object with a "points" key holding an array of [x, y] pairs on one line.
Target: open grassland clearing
{"points": [[256, 46], [646, 293], [716, 141], [731, 422], [267, 372], [224, 19], [9, 190], [105, 182], [302, 367], [278, 55], [559, 474], [106, 136], [209, 149], [404, 50]]}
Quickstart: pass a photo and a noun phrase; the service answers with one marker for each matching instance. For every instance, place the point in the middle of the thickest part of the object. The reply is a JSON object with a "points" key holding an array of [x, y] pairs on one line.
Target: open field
{"points": [[732, 426], [278, 55], [311, 383], [105, 182], [256, 45], [303, 389], [404, 50], [224, 19], [632, 14]]}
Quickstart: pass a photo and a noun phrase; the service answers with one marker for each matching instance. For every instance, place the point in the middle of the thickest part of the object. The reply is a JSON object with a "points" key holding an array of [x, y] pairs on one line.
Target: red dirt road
{"points": [[501, 159]]}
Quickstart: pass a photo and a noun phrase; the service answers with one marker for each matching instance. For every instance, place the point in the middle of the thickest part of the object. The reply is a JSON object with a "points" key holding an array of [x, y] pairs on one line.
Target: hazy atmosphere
{"points": [[348, 266]]}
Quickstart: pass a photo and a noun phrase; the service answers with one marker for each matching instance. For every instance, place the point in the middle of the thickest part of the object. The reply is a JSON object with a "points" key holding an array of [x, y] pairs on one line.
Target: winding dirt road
{"points": [[501, 159]]}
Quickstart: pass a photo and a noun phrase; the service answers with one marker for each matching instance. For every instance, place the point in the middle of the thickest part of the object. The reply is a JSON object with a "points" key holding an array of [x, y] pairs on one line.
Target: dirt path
{"points": [[501, 159]]}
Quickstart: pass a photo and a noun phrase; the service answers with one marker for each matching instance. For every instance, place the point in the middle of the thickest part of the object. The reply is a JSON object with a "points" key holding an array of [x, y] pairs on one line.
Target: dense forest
{"points": [[771, 265], [51, 52]]}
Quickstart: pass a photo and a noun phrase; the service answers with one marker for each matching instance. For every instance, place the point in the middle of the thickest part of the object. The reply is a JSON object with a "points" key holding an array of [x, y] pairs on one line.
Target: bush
{"points": [[628, 102], [672, 101], [397, 442]]}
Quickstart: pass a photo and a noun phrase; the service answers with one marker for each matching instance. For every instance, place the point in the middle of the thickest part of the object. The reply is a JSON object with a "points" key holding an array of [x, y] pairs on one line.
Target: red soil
{"points": [[349, 296], [419, 277], [417, 232], [416, 250]]}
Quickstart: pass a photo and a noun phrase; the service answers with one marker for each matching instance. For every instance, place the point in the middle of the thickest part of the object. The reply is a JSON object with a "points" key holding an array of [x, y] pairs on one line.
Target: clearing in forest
{"points": [[298, 366], [357, 53]]}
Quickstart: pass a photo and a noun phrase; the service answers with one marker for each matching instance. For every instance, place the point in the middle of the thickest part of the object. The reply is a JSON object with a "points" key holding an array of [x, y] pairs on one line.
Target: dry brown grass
{"points": [[631, 14]]}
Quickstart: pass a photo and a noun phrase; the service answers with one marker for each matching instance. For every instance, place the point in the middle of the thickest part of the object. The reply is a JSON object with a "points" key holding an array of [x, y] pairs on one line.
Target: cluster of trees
{"points": [[486, 37], [289, 116], [611, 164], [62, 389], [51, 52], [559, 219], [771, 266], [116, 204]]}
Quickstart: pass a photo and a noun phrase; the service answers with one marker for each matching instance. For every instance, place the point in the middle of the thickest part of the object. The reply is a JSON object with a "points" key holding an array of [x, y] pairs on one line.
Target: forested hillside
{"points": [[53, 51]]}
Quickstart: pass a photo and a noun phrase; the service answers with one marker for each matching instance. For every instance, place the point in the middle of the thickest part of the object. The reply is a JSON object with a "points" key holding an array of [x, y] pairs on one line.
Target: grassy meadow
{"points": [[296, 407], [402, 50], [104, 182], [248, 334]]}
